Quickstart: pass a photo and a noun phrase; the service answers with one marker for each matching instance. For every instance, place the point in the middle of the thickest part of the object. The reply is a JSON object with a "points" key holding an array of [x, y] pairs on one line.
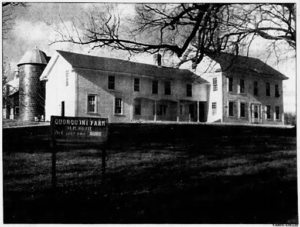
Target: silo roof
{"points": [[34, 56]]}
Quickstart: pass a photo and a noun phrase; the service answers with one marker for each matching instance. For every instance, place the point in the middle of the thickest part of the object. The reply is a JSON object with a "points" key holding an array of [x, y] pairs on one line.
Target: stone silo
{"points": [[31, 89]]}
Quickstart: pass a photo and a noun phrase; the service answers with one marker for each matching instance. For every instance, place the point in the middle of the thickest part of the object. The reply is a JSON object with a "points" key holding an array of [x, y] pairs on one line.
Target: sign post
{"points": [[78, 130]]}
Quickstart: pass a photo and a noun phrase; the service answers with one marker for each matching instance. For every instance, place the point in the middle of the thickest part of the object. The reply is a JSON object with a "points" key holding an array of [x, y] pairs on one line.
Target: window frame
{"points": [[255, 88], [214, 108], [95, 103], [168, 88], [189, 90], [136, 86], [277, 93], [67, 78], [268, 89], [244, 112], [256, 112], [154, 87], [230, 109], [215, 84], [268, 112], [162, 110], [242, 86], [277, 112], [121, 106], [138, 106], [111, 85], [230, 84]]}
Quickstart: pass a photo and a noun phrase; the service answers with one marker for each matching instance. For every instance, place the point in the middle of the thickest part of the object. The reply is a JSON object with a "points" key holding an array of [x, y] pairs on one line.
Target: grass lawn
{"points": [[221, 180]]}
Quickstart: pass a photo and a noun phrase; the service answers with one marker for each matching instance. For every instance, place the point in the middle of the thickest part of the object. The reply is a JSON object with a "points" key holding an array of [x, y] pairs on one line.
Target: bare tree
{"points": [[187, 30], [8, 15]]}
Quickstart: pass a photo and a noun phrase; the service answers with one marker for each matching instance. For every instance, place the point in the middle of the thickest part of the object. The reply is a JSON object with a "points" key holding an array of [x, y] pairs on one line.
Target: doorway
{"points": [[202, 111]]}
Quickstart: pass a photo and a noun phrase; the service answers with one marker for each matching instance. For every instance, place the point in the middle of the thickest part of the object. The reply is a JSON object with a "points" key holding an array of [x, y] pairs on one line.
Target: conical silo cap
{"points": [[34, 56]]}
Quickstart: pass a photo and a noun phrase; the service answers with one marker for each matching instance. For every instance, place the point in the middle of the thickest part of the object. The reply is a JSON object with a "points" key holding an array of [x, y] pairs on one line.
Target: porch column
{"points": [[197, 111], [178, 111], [155, 110], [261, 114], [250, 112]]}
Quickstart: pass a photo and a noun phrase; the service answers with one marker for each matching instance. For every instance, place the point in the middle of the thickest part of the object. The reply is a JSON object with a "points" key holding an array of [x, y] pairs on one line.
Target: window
{"points": [[136, 86], [214, 108], [242, 86], [277, 112], [230, 84], [268, 112], [91, 107], [242, 109], [67, 77], [255, 111], [154, 87], [267, 89], [167, 88], [277, 91], [118, 106], [162, 109], [215, 84], [189, 90], [255, 88], [137, 107], [230, 109], [111, 82]]}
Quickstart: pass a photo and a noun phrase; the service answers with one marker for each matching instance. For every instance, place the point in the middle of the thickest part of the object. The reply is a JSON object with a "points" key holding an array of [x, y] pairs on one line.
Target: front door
{"points": [[192, 111]]}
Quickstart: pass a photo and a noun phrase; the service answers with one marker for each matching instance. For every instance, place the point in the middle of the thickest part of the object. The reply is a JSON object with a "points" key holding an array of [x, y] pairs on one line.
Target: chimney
{"points": [[157, 59]]}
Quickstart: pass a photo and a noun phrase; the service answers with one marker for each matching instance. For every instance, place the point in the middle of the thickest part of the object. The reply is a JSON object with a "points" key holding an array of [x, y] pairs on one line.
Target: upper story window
{"points": [[167, 88], [91, 103], [214, 108], [230, 84], [242, 86], [111, 82], [67, 77], [136, 86], [230, 108], [215, 84], [277, 91], [118, 106], [268, 89], [268, 112], [189, 90], [255, 88], [154, 87]]}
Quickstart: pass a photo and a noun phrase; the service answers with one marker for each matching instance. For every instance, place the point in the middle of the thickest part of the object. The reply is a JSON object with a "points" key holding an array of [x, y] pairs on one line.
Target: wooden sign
{"points": [[79, 129]]}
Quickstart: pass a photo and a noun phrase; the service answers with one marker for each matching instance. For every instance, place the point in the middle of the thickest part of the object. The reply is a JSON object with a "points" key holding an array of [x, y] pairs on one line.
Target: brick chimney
{"points": [[157, 59]]}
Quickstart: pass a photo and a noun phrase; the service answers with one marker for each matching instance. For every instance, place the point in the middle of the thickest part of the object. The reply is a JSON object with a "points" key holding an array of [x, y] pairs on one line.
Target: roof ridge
{"points": [[122, 60]]}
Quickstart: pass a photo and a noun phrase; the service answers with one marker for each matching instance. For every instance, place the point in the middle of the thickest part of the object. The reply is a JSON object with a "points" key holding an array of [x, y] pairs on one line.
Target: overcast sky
{"points": [[33, 27]]}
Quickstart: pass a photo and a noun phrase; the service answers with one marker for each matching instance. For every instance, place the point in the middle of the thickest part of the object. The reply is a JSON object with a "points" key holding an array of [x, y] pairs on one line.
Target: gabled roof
{"points": [[232, 62], [34, 56], [116, 65], [13, 86]]}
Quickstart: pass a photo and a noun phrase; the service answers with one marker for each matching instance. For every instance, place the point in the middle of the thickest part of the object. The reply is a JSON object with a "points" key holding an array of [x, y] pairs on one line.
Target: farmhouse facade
{"points": [[123, 91], [242, 90], [245, 90]]}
